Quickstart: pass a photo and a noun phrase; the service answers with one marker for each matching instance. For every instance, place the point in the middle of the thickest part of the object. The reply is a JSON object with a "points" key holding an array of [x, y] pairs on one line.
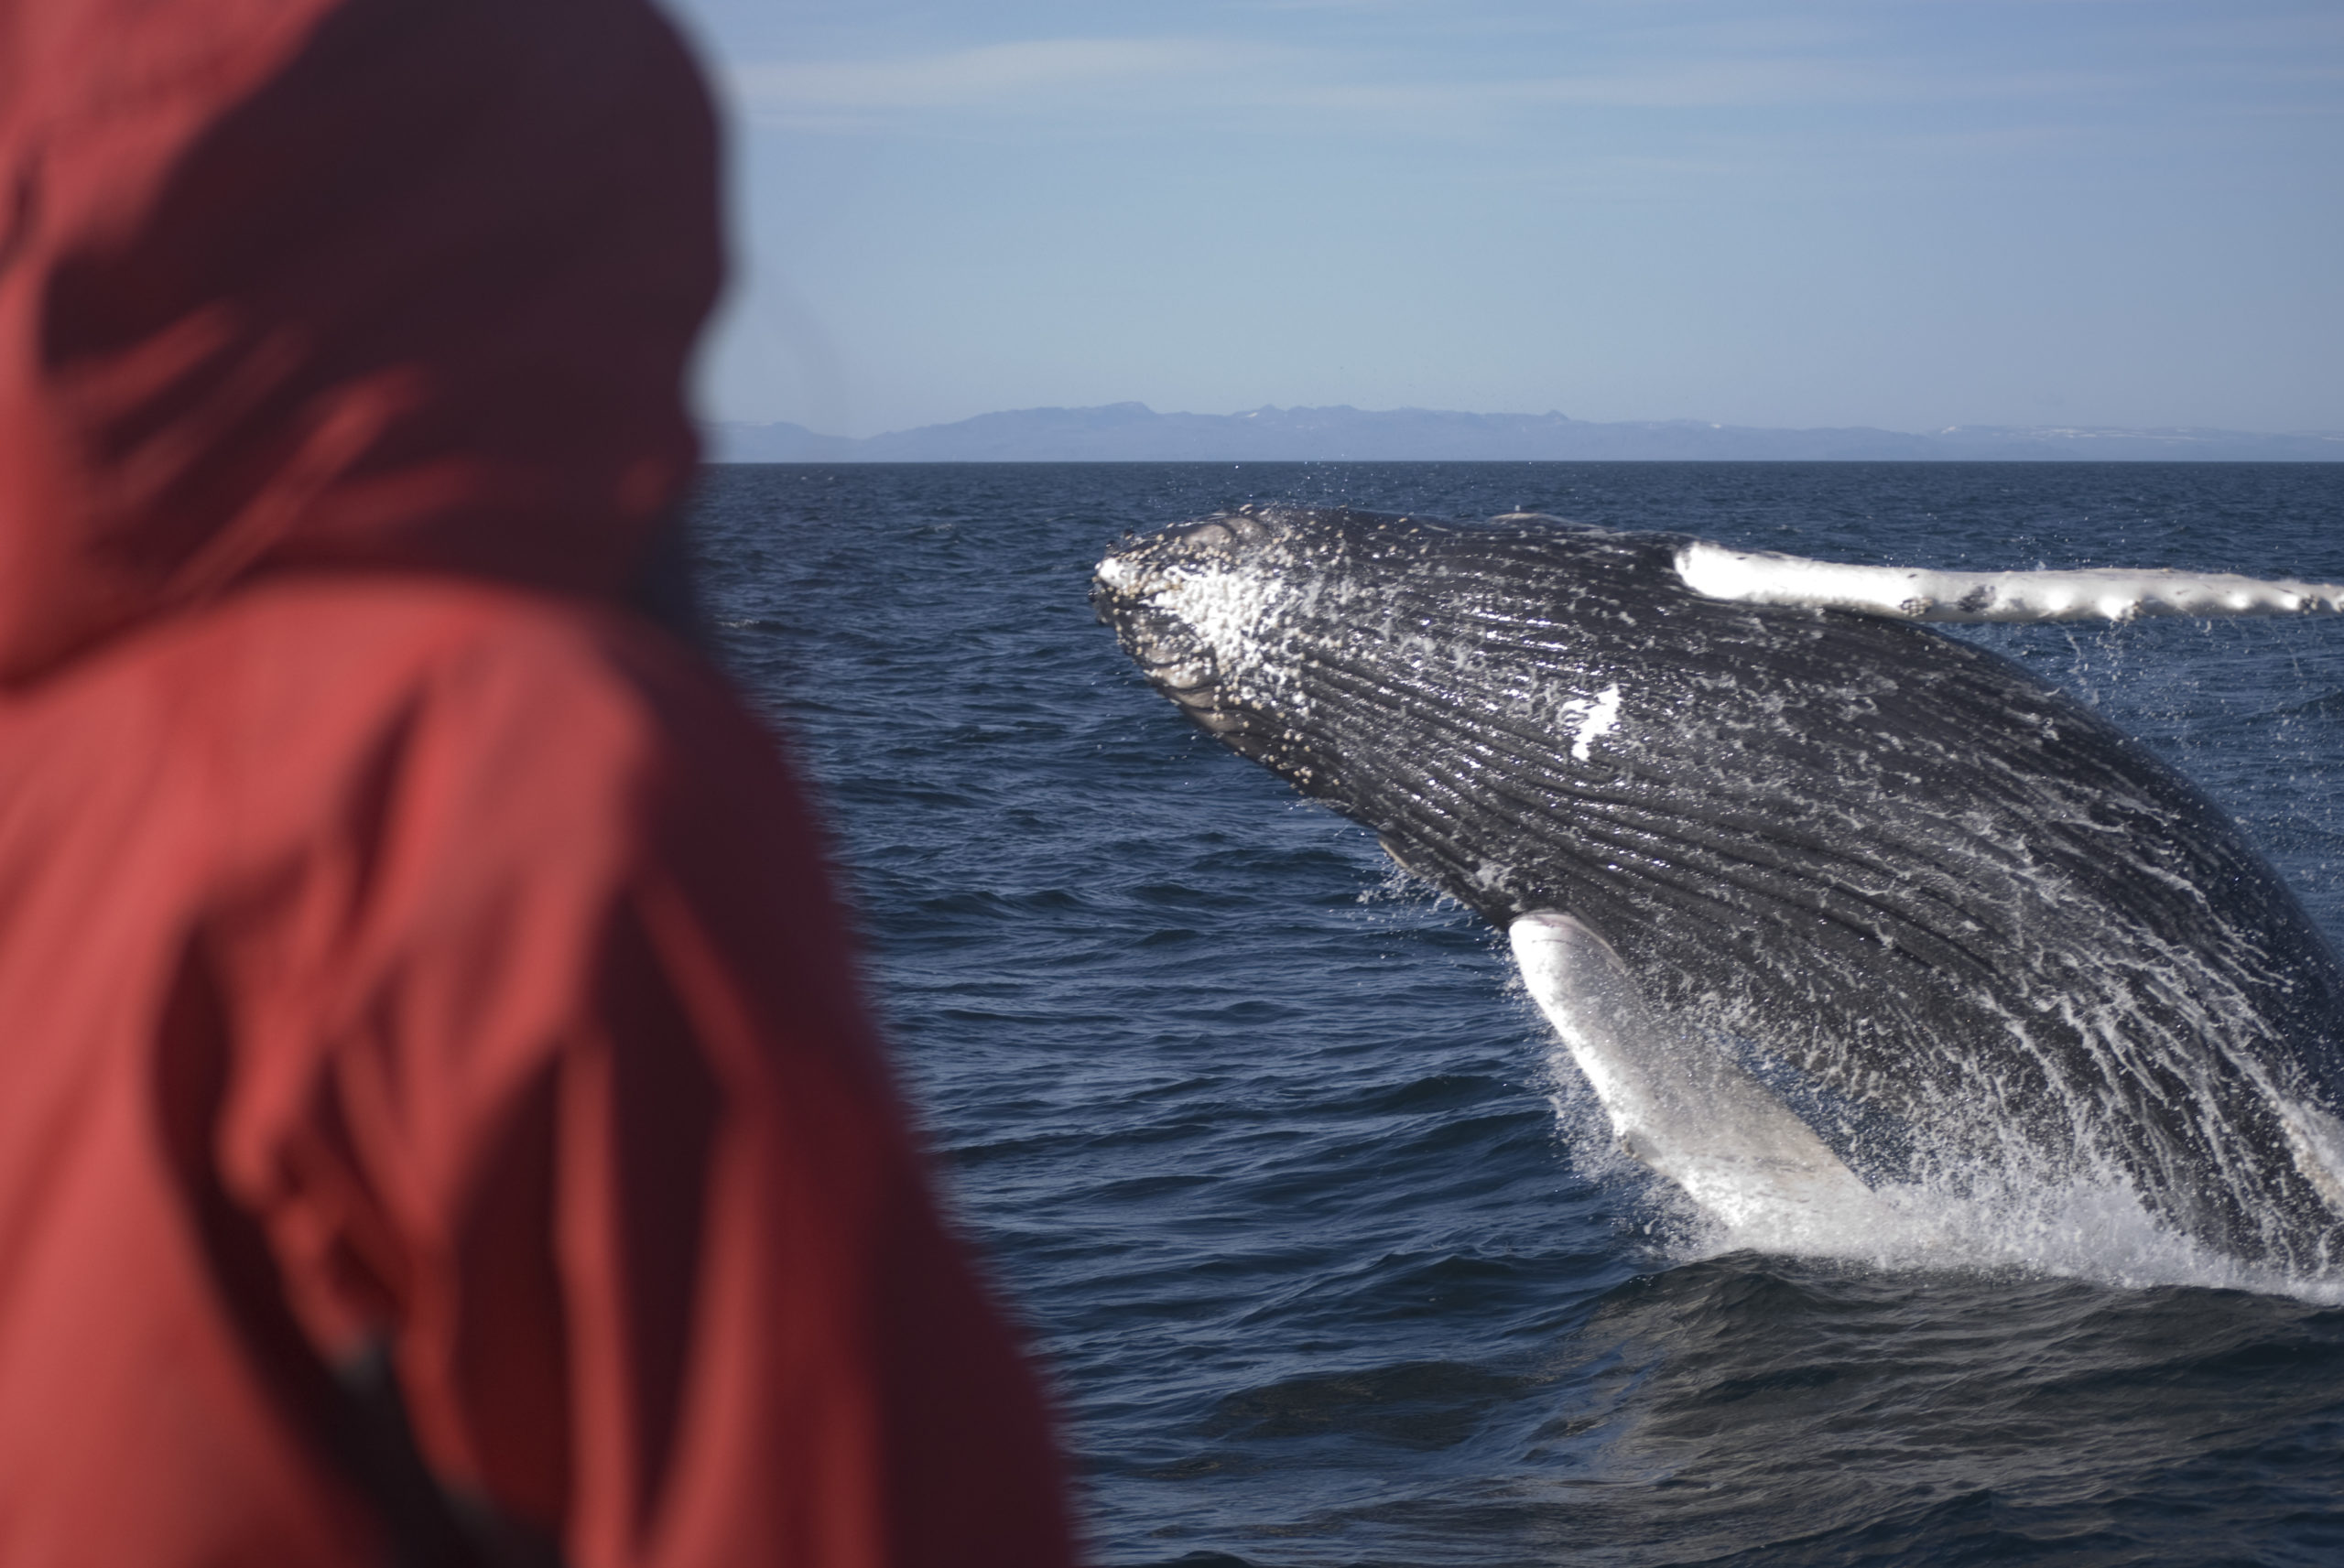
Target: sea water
{"points": [[1328, 1261]]}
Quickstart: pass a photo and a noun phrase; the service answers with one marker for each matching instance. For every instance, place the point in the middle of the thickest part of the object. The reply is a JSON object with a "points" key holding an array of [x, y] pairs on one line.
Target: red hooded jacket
{"points": [[412, 962]]}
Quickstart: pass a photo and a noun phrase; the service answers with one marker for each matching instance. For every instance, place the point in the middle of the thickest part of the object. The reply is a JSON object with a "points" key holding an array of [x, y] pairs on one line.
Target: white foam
{"points": [[1912, 593], [2080, 1230]]}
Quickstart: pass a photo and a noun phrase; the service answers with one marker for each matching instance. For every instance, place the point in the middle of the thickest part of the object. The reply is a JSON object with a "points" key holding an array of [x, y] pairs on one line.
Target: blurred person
{"points": [[437, 1123]]}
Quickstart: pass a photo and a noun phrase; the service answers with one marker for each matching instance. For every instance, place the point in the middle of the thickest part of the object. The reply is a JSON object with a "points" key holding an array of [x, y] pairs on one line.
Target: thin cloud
{"points": [[1190, 76], [1704, 85], [1034, 72]]}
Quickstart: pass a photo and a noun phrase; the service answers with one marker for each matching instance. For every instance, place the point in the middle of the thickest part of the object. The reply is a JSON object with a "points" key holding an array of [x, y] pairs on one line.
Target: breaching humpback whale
{"points": [[1821, 901]]}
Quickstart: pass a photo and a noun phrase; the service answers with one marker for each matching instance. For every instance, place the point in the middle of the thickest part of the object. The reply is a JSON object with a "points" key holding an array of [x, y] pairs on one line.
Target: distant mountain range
{"points": [[1133, 432]]}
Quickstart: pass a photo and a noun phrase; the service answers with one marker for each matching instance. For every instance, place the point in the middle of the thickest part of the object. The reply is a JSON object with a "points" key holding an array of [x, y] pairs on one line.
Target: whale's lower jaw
{"points": [[1890, 863]]}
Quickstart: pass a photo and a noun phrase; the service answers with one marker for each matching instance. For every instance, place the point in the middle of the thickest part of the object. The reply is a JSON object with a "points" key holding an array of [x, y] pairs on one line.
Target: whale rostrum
{"points": [[1820, 901]]}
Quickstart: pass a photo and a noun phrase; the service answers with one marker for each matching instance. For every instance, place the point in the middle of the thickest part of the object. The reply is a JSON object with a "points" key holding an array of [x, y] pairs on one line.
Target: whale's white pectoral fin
{"points": [[1911, 593], [1675, 1102]]}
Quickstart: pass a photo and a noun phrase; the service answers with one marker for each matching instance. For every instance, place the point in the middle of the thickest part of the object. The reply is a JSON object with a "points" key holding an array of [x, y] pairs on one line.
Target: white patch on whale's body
{"points": [[1591, 718], [1912, 593], [1675, 1101]]}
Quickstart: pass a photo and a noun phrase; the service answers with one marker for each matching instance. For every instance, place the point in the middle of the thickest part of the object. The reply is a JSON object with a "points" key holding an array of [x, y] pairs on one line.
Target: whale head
{"points": [[1372, 660], [1191, 606]]}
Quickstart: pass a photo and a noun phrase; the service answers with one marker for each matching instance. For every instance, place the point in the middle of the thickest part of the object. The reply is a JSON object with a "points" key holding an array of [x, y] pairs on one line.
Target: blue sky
{"points": [[1908, 213]]}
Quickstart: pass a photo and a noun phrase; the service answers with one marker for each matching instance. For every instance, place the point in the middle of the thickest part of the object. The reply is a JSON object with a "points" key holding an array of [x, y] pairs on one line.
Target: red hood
{"points": [[373, 283]]}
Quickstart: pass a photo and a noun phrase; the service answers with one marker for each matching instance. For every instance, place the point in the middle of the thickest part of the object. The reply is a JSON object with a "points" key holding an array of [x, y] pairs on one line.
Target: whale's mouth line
{"points": [[1174, 656], [1200, 696], [1202, 692]]}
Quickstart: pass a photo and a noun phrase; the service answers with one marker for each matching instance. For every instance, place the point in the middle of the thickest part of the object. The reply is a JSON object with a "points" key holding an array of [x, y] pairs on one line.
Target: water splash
{"points": [[1980, 1218]]}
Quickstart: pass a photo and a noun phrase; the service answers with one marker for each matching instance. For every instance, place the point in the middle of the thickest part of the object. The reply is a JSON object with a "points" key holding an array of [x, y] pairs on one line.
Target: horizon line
{"points": [[2064, 428]]}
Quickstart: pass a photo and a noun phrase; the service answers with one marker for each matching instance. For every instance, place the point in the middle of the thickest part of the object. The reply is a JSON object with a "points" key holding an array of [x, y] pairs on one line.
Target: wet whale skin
{"points": [[1980, 937]]}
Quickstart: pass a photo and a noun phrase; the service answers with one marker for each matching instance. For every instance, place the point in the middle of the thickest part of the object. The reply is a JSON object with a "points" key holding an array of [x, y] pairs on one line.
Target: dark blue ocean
{"points": [[1263, 1144]]}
